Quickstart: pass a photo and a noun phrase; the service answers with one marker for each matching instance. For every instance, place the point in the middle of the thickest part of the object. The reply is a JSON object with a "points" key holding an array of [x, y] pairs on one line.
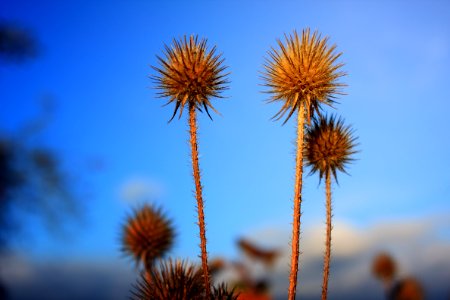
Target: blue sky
{"points": [[95, 60]]}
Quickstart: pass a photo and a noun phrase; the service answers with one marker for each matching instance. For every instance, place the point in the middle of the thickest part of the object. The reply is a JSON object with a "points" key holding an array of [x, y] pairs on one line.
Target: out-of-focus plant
{"points": [[384, 268], [267, 257], [408, 289], [329, 146], [250, 285], [33, 182], [189, 75], [222, 292], [171, 280], [147, 235], [303, 74], [16, 43], [175, 279]]}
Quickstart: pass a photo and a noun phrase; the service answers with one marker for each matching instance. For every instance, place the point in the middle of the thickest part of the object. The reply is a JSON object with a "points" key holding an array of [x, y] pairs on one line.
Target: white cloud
{"points": [[139, 188], [413, 244]]}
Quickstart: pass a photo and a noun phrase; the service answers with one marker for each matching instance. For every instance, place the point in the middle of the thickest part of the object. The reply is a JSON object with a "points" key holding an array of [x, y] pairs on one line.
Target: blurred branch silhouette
{"points": [[33, 183], [17, 44]]}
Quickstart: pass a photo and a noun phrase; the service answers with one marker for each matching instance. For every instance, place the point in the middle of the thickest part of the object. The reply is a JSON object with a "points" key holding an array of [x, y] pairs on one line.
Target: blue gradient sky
{"points": [[95, 61]]}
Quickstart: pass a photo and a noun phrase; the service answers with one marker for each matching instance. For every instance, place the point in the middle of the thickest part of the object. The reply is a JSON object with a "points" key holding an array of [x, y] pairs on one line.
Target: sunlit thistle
{"points": [[190, 73], [303, 71], [147, 235], [303, 74], [329, 146]]}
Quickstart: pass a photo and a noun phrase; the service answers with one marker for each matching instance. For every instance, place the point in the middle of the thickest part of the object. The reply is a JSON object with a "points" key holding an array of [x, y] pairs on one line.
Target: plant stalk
{"points": [[297, 204], [327, 257], [198, 196]]}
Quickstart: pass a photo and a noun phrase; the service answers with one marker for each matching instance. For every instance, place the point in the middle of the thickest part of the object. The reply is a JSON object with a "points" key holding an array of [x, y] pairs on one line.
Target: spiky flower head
{"points": [[303, 71], [384, 267], [329, 145], [190, 74], [222, 292], [172, 280], [147, 235]]}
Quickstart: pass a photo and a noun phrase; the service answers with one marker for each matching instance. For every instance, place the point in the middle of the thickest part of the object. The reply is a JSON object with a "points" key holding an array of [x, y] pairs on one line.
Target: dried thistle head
{"points": [[329, 145], [147, 235], [172, 280], [303, 71], [190, 74], [222, 292], [384, 267]]}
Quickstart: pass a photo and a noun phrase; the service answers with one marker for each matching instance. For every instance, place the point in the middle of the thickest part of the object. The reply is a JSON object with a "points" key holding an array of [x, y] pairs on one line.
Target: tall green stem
{"points": [[297, 204], [198, 196], [326, 262]]}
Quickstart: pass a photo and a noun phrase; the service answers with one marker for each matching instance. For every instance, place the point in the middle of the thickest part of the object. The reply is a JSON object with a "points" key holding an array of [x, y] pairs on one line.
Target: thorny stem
{"points": [[297, 204], [198, 196], [326, 262]]}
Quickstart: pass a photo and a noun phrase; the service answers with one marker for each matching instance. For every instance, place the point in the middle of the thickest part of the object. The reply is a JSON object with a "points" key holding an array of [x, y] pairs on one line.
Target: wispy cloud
{"points": [[414, 244], [140, 188]]}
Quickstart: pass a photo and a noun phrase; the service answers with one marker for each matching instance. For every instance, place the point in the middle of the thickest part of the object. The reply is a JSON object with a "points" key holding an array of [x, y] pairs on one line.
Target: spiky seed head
{"points": [[222, 292], [329, 145], [147, 235], [171, 280], [190, 74], [303, 71], [384, 267]]}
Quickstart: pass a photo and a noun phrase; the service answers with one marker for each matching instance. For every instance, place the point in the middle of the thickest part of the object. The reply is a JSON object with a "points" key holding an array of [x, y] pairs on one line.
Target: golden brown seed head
{"points": [[222, 292], [190, 74], [384, 267], [303, 72], [171, 280], [147, 235], [329, 145], [176, 279]]}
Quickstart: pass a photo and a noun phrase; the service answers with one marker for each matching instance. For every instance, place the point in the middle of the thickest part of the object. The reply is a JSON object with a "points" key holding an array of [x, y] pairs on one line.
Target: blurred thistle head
{"points": [[384, 267], [216, 265], [147, 235], [222, 292], [190, 74], [408, 289], [329, 145], [171, 280], [303, 71], [268, 257]]}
